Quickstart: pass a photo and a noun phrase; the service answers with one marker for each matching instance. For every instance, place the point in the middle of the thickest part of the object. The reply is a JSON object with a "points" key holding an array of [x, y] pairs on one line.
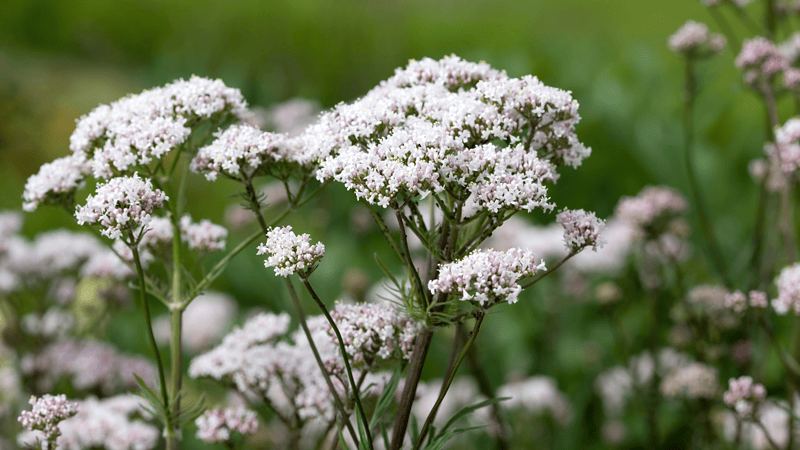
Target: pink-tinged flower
{"points": [[139, 128], [242, 151], [374, 332], [693, 37], [652, 209], [487, 277], [787, 145], [581, 229], [121, 205], [56, 182], [788, 290], [46, 413], [760, 57], [203, 236], [744, 395], [739, 302], [290, 253], [791, 79], [107, 423], [219, 425], [450, 126]]}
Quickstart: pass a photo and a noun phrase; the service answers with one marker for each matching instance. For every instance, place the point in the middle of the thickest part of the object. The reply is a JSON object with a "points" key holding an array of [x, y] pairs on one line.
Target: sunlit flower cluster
{"points": [[788, 290], [487, 277], [374, 332], [744, 395], [693, 37], [121, 205], [242, 151], [113, 423], [46, 413], [435, 126], [289, 252], [760, 57], [203, 236], [218, 425], [581, 229]]}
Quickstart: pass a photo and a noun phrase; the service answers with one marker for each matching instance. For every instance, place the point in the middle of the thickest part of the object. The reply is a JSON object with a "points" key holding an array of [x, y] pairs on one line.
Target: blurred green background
{"points": [[60, 59]]}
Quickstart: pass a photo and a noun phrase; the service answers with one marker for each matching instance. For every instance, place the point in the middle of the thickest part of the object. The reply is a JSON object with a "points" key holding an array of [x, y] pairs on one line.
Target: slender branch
{"points": [[151, 337], [428, 422], [343, 348], [547, 272], [336, 399], [412, 271]]}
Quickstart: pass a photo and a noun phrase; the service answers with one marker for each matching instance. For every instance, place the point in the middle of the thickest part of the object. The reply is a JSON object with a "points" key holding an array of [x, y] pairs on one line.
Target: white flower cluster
{"points": [[694, 36], [537, 395], [581, 229], [218, 425], [121, 204], [89, 366], [203, 236], [108, 423], [47, 413], [207, 318], [652, 208], [788, 290], [242, 151], [374, 332], [134, 130], [744, 395], [292, 116], [56, 182], [487, 277], [694, 381], [759, 58], [436, 126], [290, 253], [787, 145], [738, 302]]}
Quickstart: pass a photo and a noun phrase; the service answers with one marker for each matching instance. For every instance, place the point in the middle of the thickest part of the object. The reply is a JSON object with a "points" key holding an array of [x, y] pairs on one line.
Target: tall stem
{"points": [[151, 337], [303, 324], [255, 206], [702, 211], [343, 348], [478, 321]]}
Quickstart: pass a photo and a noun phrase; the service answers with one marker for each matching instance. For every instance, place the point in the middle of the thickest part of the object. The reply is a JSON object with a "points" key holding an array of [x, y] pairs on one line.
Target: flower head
{"points": [[46, 413], [487, 277], [241, 151], [788, 290], [139, 128], [218, 425], [56, 182], [290, 253], [744, 395], [694, 381], [652, 209], [760, 57], [204, 236], [693, 37], [581, 229], [121, 204]]}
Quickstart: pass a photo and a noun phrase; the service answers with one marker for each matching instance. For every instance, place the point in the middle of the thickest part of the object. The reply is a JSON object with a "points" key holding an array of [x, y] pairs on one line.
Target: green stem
{"points": [[428, 422], [412, 271], [302, 319], [547, 272], [352, 380], [151, 337]]}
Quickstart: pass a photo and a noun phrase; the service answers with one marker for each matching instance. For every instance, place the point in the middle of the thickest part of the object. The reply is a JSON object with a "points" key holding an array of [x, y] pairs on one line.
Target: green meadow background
{"points": [[60, 59]]}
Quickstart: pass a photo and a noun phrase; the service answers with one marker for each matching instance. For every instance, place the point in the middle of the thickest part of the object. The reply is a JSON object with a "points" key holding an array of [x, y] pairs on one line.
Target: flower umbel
{"points": [[290, 253], [487, 276], [581, 229], [122, 204], [218, 425], [46, 413]]}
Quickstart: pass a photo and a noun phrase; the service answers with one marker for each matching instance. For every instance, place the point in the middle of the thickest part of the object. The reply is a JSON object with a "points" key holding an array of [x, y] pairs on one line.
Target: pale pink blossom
{"points": [[218, 425], [581, 229], [47, 413], [694, 36], [487, 277], [289, 252], [744, 395], [56, 182]]}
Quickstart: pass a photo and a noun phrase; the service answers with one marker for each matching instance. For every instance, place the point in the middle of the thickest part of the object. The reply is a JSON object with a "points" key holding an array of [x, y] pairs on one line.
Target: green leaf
{"points": [[467, 410], [386, 270], [385, 399]]}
